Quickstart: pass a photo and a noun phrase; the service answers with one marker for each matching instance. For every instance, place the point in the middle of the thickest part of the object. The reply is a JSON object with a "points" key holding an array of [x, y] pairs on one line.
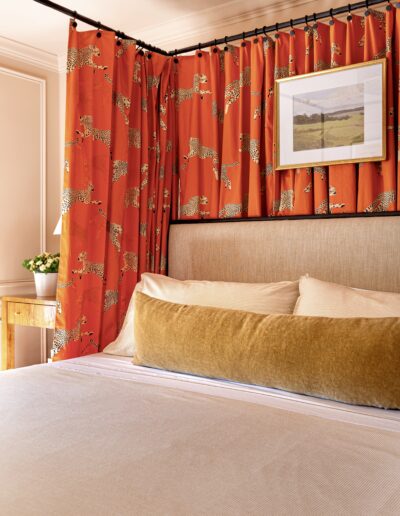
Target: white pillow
{"points": [[262, 298], [123, 345], [320, 298]]}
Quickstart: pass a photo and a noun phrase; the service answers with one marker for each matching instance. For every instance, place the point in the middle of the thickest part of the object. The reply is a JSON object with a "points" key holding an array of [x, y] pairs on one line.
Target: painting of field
{"points": [[328, 118]]}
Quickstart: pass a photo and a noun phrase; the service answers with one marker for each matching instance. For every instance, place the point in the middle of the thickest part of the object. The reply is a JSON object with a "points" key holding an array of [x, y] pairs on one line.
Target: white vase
{"points": [[46, 284]]}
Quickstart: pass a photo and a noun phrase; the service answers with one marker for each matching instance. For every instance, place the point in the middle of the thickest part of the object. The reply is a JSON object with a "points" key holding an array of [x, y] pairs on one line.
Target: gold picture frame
{"points": [[310, 124]]}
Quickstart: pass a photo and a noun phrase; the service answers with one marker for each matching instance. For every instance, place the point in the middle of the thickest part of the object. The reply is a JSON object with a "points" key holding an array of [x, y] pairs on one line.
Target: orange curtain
{"points": [[118, 184], [149, 138], [225, 110]]}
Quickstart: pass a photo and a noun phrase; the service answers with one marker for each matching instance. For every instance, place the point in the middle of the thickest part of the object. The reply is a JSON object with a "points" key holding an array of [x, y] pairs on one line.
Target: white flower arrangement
{"points": [[44, 263]]}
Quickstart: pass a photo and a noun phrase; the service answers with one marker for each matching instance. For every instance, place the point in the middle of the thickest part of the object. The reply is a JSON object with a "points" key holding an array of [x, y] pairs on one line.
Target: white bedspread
{"points": [[98, 435], [121, 367]]}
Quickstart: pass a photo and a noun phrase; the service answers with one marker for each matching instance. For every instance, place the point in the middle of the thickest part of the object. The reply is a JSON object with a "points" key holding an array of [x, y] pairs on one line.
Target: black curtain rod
{"points": [[227, 39], [98, 25], [283, 25]]}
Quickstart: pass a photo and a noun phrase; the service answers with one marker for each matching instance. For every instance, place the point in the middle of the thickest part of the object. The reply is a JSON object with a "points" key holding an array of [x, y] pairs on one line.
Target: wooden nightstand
{"points": [[25, 311]]}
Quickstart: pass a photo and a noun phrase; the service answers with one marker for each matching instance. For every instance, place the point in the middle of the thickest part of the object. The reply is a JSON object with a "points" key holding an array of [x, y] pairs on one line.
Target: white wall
{"points": [[27, 221]]}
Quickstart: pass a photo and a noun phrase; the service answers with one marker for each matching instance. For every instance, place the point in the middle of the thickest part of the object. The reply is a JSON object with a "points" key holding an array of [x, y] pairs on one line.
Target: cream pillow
{"points": [[261, 298], [123, 344], [320, 298]]}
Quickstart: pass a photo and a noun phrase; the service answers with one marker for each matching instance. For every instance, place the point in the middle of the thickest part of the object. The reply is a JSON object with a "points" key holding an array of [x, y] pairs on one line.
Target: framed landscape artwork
{"points": [[331, 117]]}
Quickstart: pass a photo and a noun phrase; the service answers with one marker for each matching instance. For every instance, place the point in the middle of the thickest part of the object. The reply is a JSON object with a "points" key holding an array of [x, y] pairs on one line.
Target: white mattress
{"points": [[117, 367]]}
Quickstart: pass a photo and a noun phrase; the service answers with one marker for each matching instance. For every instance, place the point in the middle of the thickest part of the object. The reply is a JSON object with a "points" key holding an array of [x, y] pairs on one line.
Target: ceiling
{"points": [[166, 23]]}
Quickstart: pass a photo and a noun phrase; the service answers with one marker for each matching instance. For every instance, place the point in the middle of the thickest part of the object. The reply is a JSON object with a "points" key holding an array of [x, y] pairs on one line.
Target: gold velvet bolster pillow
{"points": [[351, 360]]}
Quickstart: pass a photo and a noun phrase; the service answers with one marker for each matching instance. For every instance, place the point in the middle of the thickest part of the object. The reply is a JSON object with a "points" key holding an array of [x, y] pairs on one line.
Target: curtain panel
{"points": [[117, 185], [225, 115], [149, 139]]}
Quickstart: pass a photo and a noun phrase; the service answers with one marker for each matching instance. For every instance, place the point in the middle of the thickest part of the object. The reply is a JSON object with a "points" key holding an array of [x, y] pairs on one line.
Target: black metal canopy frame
{"points": [[354, 215], [227, 39]]}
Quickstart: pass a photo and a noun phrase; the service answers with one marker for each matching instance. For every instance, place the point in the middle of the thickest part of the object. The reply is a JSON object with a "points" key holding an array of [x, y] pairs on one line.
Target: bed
{"points": [[99, 435]]}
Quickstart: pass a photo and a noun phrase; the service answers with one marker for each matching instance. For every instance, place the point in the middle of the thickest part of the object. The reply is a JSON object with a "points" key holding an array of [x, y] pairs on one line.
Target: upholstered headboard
{"points": [[361, 252]]}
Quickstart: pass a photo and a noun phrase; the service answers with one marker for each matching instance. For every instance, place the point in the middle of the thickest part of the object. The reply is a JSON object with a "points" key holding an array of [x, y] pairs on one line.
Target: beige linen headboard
{"points": [[360, 252]]}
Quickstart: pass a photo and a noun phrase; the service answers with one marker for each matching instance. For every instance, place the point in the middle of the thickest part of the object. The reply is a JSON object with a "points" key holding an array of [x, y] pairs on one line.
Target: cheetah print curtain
{"points": [[150, 138], [224, 104], [118, 186]]}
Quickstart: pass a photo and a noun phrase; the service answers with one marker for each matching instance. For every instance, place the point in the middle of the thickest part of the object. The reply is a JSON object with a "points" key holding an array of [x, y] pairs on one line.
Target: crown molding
{"points": [[213, 22], [201, 25], [29, 55]]}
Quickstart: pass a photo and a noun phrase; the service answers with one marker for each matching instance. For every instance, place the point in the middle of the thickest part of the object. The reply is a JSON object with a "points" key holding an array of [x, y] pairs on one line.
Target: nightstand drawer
{"points": [[25, 314]]}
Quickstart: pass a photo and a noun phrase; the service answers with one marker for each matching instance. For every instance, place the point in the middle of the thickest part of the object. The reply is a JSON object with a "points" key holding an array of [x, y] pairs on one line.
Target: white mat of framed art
{"points": [[331, 117]]}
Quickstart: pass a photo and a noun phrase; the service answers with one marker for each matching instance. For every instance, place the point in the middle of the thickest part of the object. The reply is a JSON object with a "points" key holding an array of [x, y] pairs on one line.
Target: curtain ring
{"points": [[367, 6], [331, 21], [215, 49], [349, 16], [306, 28], [292, 33], [176, 60], [98, 30], [255, 40], [389, 5], [243, 39], [74, 22], [315, 19], [199, 54], [277, 30]]}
